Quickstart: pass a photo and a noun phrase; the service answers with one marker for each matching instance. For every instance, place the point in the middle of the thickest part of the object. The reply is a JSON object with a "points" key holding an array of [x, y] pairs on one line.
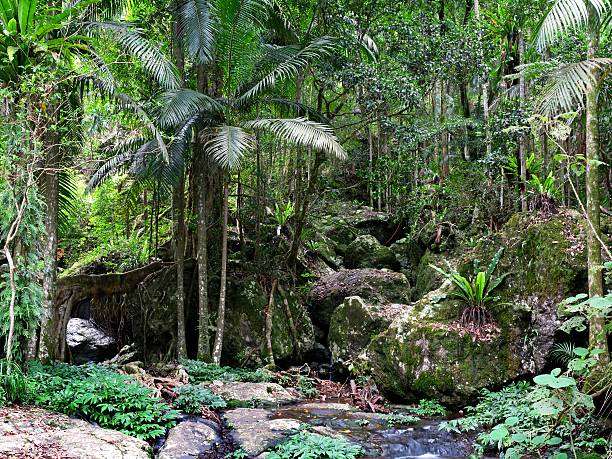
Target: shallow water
{"points": [[379, 440]]}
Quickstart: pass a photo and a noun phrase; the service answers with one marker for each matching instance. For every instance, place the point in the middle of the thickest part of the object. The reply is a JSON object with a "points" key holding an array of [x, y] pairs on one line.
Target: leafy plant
{"points": [[306, 445], [429, 408], [284, 212], [398, 420], [14, 386], [200, 372], [112, 400], [475, 292], [194, 399]]}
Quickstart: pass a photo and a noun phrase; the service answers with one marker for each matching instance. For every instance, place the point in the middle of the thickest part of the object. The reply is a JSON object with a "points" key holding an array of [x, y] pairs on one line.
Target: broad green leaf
{"points": [[11, 51]]}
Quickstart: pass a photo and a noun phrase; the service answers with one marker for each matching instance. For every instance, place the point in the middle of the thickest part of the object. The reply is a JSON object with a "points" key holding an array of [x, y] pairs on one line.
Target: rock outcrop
{"points": [[366, 252], [427, 351], [372, 285], [246, 394], [34, 432], [87, 342]]}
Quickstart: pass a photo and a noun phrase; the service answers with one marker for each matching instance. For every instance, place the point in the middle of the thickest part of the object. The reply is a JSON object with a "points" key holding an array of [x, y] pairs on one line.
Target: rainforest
{"points": [[311, 229]]}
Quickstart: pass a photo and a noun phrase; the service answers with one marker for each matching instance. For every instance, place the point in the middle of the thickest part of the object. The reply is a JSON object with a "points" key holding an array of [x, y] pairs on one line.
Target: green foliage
{"points": [[28, 263], [112, 400], [520, 419], [429, 408], [13, 383], [194, 399], [398, 420], [475, 292], [284, 212], [200, 372], [306, 445]]}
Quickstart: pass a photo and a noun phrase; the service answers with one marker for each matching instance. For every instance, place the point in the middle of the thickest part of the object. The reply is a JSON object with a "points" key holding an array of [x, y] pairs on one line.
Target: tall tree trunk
{"points": [[202, 255], [485, 84], [223, 287], [179, 227], [465, 106], [523, 138], [597, 334], [49, 346], [178, 204]]}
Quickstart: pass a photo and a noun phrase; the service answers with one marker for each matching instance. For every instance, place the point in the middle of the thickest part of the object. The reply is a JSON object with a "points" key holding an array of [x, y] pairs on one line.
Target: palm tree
{"points": [[61, 39], [227, 38], [571, 86]]}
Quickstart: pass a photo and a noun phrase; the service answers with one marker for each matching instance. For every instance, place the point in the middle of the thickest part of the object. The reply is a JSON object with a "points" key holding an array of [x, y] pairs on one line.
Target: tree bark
{"points": [[523, 138], [48, 348], [202, 255], [268, 315], [178, 204], [222, 289], [597, 334]]}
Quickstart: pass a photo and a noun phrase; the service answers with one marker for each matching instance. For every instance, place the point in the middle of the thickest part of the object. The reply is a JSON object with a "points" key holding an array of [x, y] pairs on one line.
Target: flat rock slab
{"points": [[190, 439], [255, 432], [28, 432], [254, 394]]}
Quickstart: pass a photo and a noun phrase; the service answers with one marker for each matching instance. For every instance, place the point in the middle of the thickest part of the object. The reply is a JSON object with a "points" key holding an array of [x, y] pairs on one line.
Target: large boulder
{"points": [[190, 439], [427, 351], [373, 285], [33, 432], [245, 394], [87, 342], [366, 252], [408, 254], [354, 323], [244, 337], [255, 431]]}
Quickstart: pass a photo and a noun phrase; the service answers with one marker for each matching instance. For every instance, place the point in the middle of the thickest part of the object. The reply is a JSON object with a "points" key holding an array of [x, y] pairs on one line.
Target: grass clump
{"points": [[399, 420]]}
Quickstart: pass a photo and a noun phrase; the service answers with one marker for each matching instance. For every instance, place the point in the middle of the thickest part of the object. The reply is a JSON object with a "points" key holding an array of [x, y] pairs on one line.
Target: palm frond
{"points": [[570, 83], [292, 66], [133, 41], [196, 28], [183, 104], [227, 145], [565, 15], [302, 132]]}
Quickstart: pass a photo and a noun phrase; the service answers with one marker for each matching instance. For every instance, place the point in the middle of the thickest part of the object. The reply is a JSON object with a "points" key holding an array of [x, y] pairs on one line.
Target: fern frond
{"points": [[196, 28]]}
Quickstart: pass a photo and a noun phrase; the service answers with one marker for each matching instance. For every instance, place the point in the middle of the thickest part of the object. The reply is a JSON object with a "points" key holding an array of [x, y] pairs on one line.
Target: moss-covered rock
{"points": [[408, 254], [427, 352], [366, 252], [354, 323], [244, 335], [375, 286]]}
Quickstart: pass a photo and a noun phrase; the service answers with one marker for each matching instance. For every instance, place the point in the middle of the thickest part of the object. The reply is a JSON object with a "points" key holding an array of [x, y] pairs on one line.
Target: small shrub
{"points": [[306, 445], [202, 372], [399, 420], [112, 400], [429, 408], [194, 399]]}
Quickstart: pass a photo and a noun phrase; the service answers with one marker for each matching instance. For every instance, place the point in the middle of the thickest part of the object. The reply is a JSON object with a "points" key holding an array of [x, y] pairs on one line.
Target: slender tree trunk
{"points": [[268, 315], [597, 334], [523, 138], [485, 84], [178, 198], [443, 116], [48, 341], [222, 290], [202, 254]]}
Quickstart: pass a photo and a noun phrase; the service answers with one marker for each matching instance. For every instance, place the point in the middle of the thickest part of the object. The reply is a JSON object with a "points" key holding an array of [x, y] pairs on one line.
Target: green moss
{"points": [[431, 383]]}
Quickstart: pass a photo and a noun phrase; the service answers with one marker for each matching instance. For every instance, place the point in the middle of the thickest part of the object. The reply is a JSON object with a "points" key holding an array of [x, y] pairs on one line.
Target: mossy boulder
{"points": [[427, 278], [244, 335], [343, 223], [366, 252], [428, 352], [354, 323], [375, 286], [408, 254]]}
